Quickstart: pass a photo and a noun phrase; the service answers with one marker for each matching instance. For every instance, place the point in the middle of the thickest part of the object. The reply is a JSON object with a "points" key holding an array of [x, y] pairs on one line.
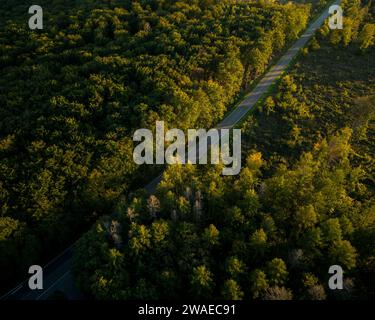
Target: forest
{"points": [[72, 94], [303, 201]]}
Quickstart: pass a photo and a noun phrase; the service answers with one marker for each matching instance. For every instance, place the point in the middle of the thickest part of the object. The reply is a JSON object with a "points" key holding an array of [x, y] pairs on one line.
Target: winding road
{"points": [[57, 273]]}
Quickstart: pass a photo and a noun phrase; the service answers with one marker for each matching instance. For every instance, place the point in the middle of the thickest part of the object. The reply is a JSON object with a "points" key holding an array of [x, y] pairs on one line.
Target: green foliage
{"points": [[201, 282], [303, 200], [73, 93], [276, 271], [354, 28], [231, 290], [367, 36], [259, 283]]}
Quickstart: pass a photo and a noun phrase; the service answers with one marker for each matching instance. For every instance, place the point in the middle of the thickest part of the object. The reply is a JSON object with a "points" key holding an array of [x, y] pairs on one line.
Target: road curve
{"points": [[57, 273]]}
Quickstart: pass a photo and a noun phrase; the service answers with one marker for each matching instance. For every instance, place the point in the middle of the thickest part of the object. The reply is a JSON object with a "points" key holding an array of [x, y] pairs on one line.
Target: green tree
{"points": [[259, 283], [231, 290], [366, 37], [277, 272], [201, 282]]}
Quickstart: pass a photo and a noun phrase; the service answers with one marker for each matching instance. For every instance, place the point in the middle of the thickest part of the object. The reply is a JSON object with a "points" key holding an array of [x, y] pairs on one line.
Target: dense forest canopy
{"points": [[303, 201], [72, 94]]}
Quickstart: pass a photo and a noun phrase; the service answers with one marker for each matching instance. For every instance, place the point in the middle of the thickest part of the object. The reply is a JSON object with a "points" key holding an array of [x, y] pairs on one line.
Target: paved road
{"points": [[57, 274], [264, 85]]}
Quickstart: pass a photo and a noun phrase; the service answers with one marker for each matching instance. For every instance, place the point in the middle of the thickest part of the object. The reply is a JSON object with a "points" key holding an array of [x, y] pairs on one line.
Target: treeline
{"points": [[304, 201], [357, 28], [72, 94]]}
